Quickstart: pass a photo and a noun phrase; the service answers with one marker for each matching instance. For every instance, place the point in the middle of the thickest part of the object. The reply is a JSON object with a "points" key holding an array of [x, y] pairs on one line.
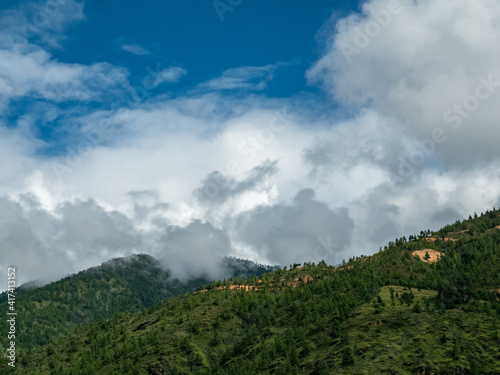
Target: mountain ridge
{"points": [[388, 313], [124, 284]]}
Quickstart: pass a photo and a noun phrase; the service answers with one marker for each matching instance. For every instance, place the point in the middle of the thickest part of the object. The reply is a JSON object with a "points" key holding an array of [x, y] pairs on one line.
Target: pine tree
{"points": [[347, 357]]}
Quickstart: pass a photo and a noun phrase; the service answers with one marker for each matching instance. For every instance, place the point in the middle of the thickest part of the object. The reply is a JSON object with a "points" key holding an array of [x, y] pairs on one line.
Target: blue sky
{"points": [[275, 131], [202, 40], [193, 36]]}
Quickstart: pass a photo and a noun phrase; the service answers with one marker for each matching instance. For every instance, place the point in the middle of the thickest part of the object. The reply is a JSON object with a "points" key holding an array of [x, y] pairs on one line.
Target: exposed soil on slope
{"points": [[434, 255]]}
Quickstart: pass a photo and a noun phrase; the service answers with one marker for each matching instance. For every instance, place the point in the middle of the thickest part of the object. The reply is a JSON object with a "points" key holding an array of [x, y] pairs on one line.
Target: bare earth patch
{"points": [[498, 227], [434, 255]]}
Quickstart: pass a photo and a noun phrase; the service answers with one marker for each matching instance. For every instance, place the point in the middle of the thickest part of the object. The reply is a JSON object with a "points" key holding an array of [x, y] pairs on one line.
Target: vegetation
{"points": [[390, 313], [120, 285]]}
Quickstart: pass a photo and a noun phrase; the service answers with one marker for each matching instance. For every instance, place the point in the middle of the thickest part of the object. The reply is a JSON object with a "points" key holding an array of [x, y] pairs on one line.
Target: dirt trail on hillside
{"points": [[293, 283], [432, 239], [460, 231]]}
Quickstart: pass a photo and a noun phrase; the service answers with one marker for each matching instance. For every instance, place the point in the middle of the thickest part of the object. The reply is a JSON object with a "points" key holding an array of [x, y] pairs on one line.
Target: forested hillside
{"points": [[119, 285], [429, 304]]}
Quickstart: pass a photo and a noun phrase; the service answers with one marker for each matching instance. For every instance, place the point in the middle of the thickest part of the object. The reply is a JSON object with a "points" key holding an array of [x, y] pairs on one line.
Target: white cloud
{"points": [[305, 230], [426, 59], [16, 150], [251, 78], [37, 75], [76, 234], [42, 23], [146, 176], [28, 71], [135, 49], [169, 75]]}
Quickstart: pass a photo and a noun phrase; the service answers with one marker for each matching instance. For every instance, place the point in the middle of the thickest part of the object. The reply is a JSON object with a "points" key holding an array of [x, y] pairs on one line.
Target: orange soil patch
{"points": [[498, 227], [307, 278], [433, 255], [296, 281]]}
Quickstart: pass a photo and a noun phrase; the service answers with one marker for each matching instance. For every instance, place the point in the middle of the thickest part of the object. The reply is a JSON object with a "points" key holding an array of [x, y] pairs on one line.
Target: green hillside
{"points": [[119, 285], [390, 313]]}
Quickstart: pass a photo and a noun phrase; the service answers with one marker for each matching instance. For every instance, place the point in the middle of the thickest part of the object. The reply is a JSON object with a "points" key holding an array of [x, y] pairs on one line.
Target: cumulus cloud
{"points": [[16, 148], [436, 199], [367, 139], [157, 198], [147, 207], [305, 230], [427, 65], [74, 236], [218, 188], [79, 234]]}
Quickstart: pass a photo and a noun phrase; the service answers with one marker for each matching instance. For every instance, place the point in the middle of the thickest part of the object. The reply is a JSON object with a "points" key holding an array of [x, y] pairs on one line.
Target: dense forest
{"points": [[426, 304], [119, 285]]}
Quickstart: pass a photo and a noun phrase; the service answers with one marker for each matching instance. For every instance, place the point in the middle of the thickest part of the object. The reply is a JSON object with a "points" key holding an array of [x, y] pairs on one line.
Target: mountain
{"points": [[429, 304], [119, 285]]}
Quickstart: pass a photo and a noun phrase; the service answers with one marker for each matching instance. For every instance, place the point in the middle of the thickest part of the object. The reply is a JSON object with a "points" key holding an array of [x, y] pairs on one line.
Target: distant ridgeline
{"points": [[119, 285], [429, 304]]}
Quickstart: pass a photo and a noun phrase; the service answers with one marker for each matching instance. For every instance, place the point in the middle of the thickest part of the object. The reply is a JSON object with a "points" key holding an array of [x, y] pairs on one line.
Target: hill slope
{"points": [[390, 313], [119, 285]]}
